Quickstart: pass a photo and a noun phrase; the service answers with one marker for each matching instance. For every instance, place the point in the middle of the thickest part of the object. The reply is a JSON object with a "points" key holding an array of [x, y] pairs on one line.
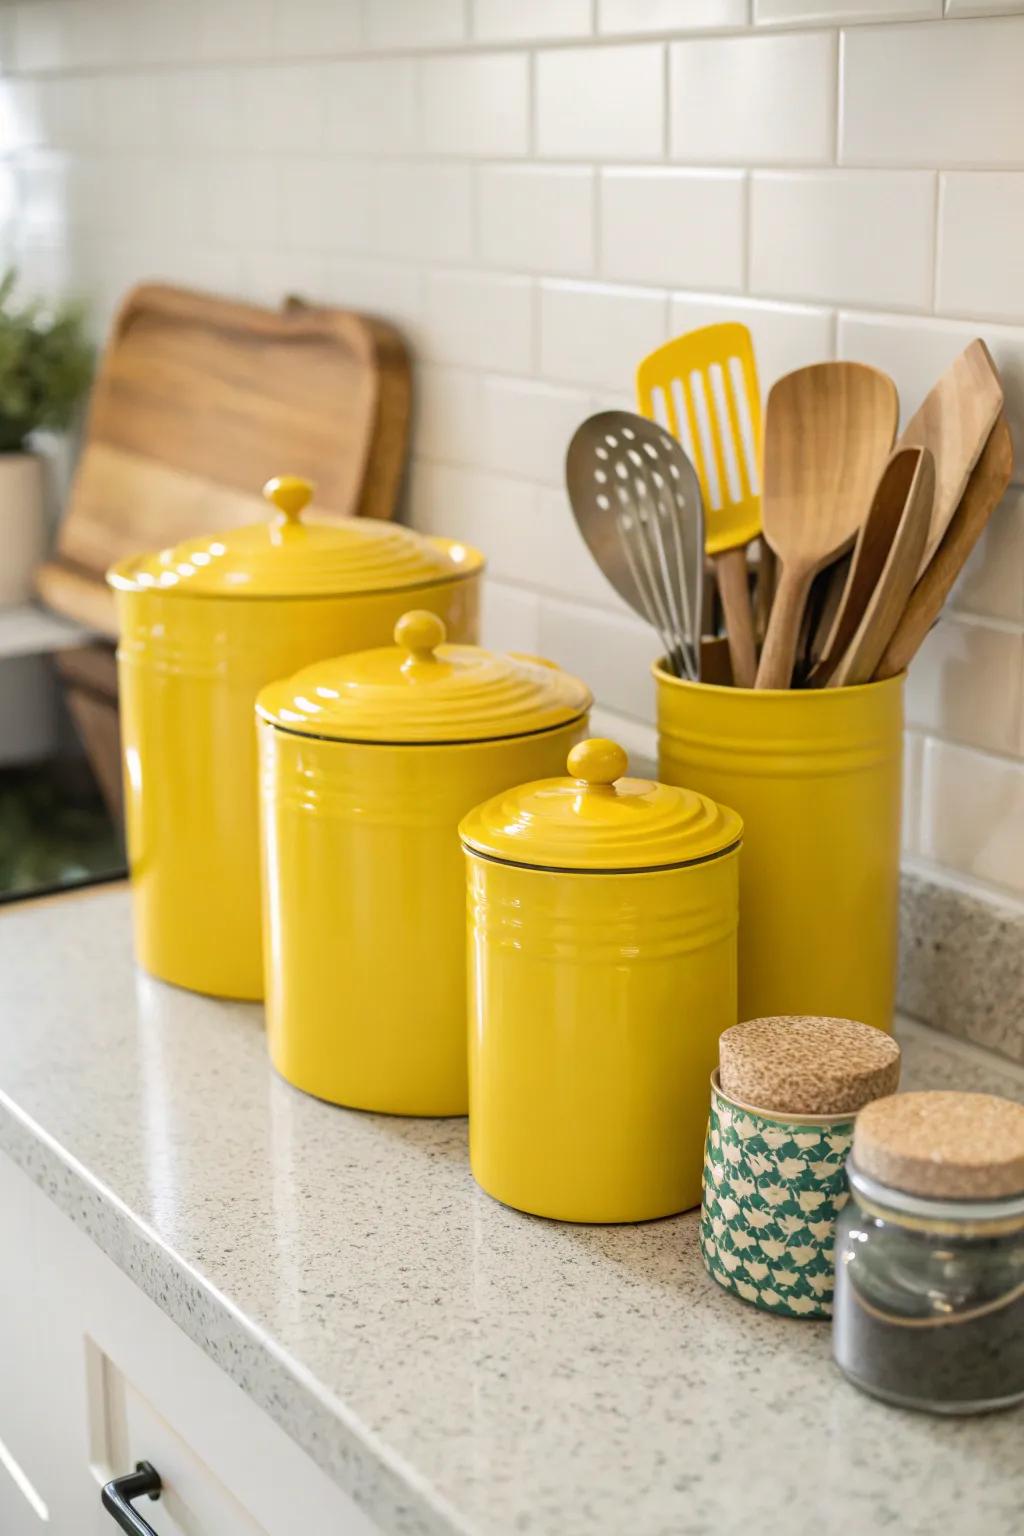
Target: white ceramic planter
{"points": [[22, 526]]}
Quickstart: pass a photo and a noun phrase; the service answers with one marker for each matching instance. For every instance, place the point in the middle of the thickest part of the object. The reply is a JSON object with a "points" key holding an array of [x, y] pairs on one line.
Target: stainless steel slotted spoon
{"points": [[637, 502]]}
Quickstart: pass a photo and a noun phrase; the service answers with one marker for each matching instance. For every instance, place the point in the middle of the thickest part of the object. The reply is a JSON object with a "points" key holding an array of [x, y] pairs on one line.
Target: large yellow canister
{"points": [[202, 628], [816, 776], [602, 937], [367, 764]]}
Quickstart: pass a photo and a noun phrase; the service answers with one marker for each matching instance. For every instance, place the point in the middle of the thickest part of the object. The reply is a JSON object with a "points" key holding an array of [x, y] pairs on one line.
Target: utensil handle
{"points": [[734, 587], [779, 651]]}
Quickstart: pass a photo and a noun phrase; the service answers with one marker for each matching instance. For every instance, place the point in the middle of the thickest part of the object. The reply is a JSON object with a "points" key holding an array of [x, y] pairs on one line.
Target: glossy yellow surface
{"points": [[596, 1003], [294, 554], [364, 909], [421, 689], [189, 672], [722, 356], [815, 774], [598, 819]]}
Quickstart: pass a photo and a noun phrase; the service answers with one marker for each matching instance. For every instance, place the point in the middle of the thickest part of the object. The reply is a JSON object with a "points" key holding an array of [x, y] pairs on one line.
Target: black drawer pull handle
{"points": [[117, 1497]]}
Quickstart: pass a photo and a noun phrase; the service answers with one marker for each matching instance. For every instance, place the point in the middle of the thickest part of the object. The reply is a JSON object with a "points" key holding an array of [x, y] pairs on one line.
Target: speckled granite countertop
{"points": [[454, 1365]]}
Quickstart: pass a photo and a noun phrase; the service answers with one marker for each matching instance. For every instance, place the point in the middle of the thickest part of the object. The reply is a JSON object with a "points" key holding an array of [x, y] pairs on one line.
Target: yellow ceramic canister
{"points": [[367, 763], [602, 939], [202, 628], [816, 775]]}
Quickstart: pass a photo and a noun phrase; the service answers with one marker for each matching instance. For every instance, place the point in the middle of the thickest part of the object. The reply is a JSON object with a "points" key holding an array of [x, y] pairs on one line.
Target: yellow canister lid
{"points": [[292, 555], [422, 690], [600, 820]]}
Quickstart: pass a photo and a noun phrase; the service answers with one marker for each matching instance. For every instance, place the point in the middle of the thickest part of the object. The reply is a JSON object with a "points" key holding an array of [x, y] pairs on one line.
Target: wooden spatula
{"points": [[870, 553], [988, 481], [954, 421], [703, 387], [828, 432], [900, 512]]}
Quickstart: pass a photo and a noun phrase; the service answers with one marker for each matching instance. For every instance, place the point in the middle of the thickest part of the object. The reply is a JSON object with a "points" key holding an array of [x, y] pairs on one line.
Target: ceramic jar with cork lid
{"points": [[783, 1103], [929, 1304]]}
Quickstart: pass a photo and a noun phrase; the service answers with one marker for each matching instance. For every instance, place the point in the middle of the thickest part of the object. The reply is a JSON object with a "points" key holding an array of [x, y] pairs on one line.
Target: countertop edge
{"points": [[362, 1466]]}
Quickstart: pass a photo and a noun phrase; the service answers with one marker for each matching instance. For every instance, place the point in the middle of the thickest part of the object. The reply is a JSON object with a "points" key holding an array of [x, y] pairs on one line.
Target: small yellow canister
{"points": [[367, 763], [602, 940], [816, 775]]}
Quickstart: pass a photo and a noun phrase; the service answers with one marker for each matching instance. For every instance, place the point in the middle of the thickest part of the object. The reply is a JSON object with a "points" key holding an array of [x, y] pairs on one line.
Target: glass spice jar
{"points": [[929, 1289]]}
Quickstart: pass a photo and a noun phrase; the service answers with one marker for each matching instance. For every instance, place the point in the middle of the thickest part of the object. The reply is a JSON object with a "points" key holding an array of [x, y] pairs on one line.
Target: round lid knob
{"points": [[597, 762], [420, 633], [290, 494]]}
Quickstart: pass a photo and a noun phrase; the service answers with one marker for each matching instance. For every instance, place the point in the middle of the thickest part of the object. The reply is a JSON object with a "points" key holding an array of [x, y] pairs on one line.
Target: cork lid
{"points": [[801, 1065], [947, 1146]]}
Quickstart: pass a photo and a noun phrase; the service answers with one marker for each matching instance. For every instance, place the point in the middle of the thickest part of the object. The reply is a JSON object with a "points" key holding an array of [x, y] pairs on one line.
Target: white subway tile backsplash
{"points": [[785, 336], [966, 684], [325, 205], [819, 13], [496, 21], [596, 334], [992, 583], [981, 276], [314, 29], [475, 105], [537, 217], [370, 106], [916, 351], [933, 94], [510, 619], [601, 103], [669, 15], [428, 207], [673, 227], [865, 237], [754, 100], [537, 194], [481, 319], [413, 23], [613, 652], [526, 427], [973, 814], [447, 415]]}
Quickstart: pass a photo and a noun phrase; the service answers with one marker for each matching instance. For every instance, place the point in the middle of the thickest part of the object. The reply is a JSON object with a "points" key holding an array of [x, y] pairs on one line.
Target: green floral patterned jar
{"points": [[774, 1179]]}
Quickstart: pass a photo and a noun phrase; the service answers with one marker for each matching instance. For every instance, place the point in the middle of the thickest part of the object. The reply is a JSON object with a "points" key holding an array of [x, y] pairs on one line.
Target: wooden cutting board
{"points": [[198, 401]]}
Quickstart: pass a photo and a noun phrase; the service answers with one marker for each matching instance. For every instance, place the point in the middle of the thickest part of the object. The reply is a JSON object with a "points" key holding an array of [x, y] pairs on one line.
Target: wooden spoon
{"points": [[903, 504], [871, 551], [954, 420], [989, 479], [828, 432]]}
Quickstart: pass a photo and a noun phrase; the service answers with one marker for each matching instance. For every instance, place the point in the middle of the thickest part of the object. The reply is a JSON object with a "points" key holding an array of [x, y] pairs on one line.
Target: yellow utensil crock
{"points": [[367, 764], [602, 941], [816, 776], [202, 628]]}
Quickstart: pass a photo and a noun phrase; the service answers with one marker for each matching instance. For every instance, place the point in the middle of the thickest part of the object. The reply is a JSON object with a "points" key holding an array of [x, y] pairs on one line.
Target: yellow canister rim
{"points": [[373, 742], [566, 869], [661, 675]]}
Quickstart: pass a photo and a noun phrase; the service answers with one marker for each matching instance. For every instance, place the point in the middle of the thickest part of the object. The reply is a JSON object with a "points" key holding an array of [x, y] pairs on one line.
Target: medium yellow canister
{"points": [[816, 776], [602, 938], [367, 764], [202, 628]]}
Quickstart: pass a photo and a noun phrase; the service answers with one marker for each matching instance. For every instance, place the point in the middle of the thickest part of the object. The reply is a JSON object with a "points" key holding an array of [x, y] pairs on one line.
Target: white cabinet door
{"points": [[95, 1378]]}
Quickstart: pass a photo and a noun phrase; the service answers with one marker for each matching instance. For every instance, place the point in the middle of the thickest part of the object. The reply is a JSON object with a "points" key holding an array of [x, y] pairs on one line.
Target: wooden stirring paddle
{"points": [[954, 421], [828, 432], [903, 473], [989, 479], [908, 482]]}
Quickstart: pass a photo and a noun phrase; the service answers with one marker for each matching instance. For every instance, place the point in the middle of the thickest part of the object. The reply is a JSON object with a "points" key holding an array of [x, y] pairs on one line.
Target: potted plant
{"points": [[45, 367]]}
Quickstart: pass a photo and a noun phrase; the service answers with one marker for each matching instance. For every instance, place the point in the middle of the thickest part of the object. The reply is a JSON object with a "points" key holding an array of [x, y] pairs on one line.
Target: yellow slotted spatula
{"points": [[703, 388]]}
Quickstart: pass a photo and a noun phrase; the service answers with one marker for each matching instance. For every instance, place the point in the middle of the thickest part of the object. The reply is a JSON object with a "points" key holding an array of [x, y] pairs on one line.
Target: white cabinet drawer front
{"points": [[193, 1500]]}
